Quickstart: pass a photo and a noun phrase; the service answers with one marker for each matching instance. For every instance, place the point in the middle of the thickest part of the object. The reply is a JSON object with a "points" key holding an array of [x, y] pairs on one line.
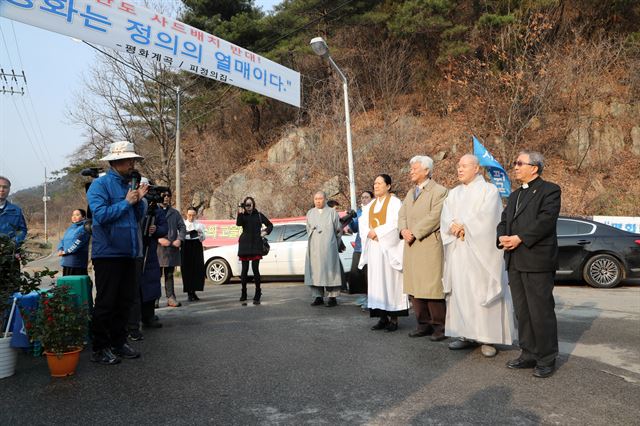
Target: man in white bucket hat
{"points": [[114, 200]]}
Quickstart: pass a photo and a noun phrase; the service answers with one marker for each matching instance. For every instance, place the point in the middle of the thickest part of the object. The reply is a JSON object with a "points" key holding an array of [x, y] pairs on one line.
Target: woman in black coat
{"points": [[250, 244]]}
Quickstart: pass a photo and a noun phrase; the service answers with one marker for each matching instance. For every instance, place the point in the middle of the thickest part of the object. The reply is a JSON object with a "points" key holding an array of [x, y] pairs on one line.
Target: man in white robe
{"points": [[479, 307], [322, 269], [382, 251]]}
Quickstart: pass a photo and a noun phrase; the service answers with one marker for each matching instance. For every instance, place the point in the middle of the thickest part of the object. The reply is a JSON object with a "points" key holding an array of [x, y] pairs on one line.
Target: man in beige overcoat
{"points": [[419, 224]]}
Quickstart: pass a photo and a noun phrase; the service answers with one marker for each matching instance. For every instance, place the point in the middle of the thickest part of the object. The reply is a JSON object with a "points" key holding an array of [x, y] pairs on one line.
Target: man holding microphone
{"points": [[115, 202]]}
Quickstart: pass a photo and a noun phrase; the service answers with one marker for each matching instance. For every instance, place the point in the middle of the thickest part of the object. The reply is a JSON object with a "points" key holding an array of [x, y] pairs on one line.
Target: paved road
{"points": [[285, 362]]}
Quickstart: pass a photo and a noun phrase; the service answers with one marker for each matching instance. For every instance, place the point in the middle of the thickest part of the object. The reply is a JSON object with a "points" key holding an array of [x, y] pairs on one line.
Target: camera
{"points": [[156, 193], [93, 173], [242, 206], [348, 218]]}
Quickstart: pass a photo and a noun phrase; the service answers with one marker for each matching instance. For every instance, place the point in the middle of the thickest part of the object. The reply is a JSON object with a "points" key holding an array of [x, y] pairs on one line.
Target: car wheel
{"points": [[603, 271], [218, 271]]}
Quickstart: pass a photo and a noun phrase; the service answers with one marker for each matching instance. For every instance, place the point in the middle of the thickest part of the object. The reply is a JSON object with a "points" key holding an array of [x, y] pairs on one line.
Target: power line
{"points": [[42, 138], [17, 110], [35, 153]]}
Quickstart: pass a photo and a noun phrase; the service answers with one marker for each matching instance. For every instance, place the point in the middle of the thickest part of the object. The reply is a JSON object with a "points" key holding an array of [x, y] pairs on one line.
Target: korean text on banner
{"points": [[136, 30], [496, 173]]}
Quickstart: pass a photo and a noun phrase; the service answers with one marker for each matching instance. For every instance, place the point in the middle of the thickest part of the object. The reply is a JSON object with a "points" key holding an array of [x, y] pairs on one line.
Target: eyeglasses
{"points": [[521, 163], [248, 205]]}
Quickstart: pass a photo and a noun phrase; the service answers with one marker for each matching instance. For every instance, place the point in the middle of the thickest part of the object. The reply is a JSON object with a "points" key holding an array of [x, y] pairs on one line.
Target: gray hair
{"points": [[425, 161], [473, 158], [535, 158], [324, 194], [6, 179]]}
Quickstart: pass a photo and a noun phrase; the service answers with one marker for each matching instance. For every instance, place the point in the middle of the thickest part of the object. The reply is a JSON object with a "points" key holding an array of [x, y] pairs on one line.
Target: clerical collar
{"points": [[527, 185]]}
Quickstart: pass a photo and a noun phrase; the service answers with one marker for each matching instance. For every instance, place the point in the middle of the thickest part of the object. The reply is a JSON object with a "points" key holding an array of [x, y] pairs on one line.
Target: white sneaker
{"points": [[488, 350]]}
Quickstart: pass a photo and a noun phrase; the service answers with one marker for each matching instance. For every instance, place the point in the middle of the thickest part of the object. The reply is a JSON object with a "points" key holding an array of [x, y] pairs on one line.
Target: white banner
{"points": [[139, 31]]}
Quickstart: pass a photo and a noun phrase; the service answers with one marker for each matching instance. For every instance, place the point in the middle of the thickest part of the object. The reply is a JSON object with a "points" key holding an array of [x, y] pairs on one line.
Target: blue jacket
{"points": [[75, 244], [12, 223], [355, 227], [115, 221]]}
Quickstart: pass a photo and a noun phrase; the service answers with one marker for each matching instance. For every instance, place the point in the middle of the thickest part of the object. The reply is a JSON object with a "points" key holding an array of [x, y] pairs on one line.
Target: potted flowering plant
{"points": [[61, 326], [13, 280]]}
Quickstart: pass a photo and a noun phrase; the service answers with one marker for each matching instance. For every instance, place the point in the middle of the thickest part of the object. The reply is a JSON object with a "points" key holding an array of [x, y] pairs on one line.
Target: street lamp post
{"points": [[320, 48], [178, 197]]}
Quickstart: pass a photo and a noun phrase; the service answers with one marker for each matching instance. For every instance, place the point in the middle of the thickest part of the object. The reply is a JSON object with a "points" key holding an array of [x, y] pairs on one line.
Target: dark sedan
{"points": [[597, 253]]}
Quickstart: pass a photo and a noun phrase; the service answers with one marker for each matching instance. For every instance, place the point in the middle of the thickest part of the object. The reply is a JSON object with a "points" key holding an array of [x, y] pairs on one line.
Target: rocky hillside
{"points": [[557, 76]]}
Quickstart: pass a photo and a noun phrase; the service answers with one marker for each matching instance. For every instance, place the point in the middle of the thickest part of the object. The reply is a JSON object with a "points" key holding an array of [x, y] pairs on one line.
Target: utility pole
{"points": [[44, 200]]}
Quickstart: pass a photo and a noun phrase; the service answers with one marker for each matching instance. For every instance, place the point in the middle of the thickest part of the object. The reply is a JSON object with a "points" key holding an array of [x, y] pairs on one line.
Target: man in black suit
{"points": [[527, 234]]}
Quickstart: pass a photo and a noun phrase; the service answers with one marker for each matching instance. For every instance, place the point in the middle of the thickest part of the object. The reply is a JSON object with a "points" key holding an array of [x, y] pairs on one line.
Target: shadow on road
{"points": [[481, 407]]}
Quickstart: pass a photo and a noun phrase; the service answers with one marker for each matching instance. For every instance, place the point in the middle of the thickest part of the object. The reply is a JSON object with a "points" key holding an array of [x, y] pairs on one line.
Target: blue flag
{"points": [[496, 173]]}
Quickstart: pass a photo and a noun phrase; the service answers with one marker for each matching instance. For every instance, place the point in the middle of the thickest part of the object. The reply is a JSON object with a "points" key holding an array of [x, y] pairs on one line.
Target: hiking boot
{"points": [[135, 335], [105, 357], [126, 351]]}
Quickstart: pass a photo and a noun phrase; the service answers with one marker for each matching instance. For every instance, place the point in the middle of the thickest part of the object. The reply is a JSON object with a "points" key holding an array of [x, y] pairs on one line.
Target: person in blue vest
{"points": [[12, 223], [114, 200], [74, 246]]}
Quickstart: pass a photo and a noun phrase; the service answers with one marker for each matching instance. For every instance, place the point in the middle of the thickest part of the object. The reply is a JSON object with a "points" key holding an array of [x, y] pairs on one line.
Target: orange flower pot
{"points": [[63, 365]]}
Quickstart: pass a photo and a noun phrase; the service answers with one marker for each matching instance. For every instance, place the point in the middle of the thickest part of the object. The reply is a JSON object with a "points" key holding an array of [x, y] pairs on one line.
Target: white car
{"points": [[286, 258]]}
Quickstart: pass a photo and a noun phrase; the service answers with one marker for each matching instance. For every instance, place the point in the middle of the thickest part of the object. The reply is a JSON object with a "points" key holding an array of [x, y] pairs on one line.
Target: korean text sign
{"points": [[133, 29]]}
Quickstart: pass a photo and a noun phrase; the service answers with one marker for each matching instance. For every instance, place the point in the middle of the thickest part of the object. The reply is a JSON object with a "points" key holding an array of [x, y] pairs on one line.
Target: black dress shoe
{"points": [[420, 333], [391, 327], [437, 337], [195, 297], [520, 363], [544, 371], [332, 302], [317, 302], [380, 325]]}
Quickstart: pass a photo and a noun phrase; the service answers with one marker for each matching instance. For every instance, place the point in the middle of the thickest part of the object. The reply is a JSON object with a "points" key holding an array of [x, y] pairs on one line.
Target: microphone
{"points": [[135, 180]]}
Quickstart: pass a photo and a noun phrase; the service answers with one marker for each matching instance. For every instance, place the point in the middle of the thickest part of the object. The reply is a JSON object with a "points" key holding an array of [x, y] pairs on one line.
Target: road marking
{"points": [[615, 356]]}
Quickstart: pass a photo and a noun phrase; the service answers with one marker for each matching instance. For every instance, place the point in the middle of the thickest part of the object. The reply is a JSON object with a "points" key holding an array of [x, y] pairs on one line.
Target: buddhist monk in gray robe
{"points": [[322, 264]]}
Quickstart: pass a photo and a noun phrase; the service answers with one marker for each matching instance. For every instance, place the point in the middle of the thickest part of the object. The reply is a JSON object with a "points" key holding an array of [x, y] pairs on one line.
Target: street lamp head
{"points": [[319, 47]]}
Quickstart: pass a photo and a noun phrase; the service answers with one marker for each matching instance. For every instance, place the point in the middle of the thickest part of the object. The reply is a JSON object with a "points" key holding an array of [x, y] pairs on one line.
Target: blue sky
{"points": [[35, 130]]}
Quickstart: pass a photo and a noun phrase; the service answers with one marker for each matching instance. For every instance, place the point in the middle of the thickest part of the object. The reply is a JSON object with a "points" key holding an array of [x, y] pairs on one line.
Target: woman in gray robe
{"points": [[322, 264]]}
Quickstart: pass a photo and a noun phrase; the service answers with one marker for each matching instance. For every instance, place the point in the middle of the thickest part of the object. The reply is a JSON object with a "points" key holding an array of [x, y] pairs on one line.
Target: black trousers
{"points": [[115, 292], [68, 270], [533, 303], [135, 311], [357, 277], [255, 267]]}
